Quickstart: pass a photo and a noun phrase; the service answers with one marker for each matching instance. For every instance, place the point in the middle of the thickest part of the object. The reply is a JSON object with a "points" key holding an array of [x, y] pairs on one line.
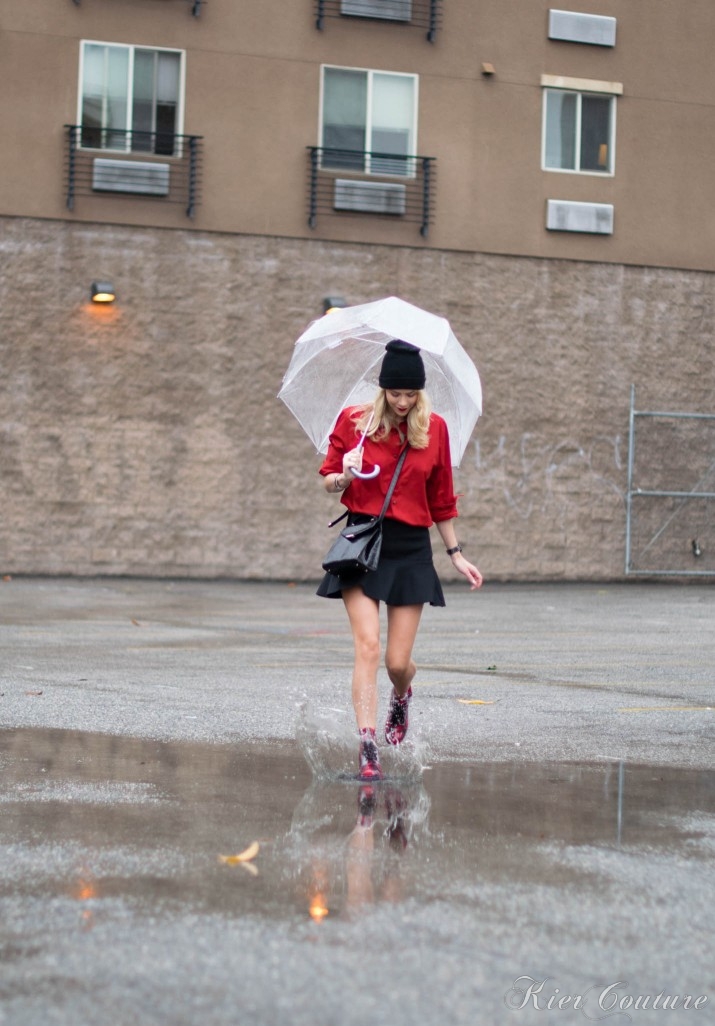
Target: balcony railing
{"points": [[345, 183], [143, 165], [426, 14]]}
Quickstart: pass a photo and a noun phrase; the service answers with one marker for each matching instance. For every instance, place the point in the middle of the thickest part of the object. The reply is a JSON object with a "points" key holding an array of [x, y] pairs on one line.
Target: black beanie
{"points": [[402, 366]]}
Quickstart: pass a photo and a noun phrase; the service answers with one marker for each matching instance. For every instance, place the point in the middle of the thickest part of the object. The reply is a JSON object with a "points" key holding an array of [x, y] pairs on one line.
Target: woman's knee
{"points": [[398, 665], [367, 649]]}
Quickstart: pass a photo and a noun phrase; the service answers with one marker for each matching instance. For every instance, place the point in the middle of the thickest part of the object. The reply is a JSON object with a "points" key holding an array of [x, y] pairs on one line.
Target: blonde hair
{"points": [[379, 418]]}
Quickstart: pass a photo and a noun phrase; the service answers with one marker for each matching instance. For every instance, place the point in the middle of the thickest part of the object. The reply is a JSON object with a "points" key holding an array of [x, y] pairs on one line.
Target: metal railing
{"points": [[356, 183], [144, 165], [426, 14], [670, 531]]}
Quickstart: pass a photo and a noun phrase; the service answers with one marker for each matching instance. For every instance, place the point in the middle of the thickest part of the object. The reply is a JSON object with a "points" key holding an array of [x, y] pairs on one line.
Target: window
{"points": [[368, 121], [578, 131], [130, 98]]}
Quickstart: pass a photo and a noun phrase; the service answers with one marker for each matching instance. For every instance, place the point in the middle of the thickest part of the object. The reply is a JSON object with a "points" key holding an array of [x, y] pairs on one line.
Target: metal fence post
{"points": [[631, 450]]}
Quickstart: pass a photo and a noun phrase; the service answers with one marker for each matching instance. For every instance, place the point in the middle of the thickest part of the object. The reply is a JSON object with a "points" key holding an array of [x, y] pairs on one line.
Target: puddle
{"points": [[95, 819]]}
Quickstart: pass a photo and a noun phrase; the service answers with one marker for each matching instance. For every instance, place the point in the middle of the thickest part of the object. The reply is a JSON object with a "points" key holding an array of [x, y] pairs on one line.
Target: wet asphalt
{"points": [[543, 850]]}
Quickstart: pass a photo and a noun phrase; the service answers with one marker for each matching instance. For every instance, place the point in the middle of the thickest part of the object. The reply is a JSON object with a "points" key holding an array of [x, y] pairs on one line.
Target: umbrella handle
{"points": [[366, 476]]}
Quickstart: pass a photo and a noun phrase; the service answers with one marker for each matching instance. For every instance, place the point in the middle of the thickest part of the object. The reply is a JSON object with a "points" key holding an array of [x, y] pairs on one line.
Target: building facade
{"points": [[539, 175]]}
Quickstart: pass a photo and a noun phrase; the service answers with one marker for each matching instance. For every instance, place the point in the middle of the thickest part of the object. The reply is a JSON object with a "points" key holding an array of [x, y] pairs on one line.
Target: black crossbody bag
{"points": [[357, 547]]}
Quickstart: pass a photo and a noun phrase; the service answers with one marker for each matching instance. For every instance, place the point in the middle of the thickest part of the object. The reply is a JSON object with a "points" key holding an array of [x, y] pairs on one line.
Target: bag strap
{"points": [[393, 482], [390, 490], [338, 519]]}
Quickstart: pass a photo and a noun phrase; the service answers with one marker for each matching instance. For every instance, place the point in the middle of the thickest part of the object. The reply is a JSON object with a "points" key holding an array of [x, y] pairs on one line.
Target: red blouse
{"points": [[424, 492]]}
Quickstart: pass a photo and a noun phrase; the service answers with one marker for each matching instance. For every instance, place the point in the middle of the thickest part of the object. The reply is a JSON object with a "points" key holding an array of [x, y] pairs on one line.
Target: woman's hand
{"points": [[352, 459], [448, 536], [468, 569]]}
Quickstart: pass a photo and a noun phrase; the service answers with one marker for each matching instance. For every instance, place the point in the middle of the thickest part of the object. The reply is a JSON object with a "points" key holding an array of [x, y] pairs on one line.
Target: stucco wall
{"points": [[252, 92], [146, 438]]}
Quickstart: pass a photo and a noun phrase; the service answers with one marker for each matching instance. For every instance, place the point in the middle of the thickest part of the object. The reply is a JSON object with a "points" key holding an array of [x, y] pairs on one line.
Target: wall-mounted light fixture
{"points": [[331, 303], [102, 292]]}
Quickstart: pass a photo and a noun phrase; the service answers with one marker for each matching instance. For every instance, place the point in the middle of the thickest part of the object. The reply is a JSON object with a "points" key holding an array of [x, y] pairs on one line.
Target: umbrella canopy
{"points": [[336, 363]]}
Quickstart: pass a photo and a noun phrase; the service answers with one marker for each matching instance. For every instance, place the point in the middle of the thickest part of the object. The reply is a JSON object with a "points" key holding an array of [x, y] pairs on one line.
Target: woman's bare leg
{"points": [[364, 615], [402, 625]]}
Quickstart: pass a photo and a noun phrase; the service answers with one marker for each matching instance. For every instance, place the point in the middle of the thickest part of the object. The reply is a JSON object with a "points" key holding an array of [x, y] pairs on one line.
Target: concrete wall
{"points": [[146, 438]]}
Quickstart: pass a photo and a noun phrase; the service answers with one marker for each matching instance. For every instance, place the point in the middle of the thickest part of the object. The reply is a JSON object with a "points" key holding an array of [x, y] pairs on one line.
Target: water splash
{"points": [[328, 739]]}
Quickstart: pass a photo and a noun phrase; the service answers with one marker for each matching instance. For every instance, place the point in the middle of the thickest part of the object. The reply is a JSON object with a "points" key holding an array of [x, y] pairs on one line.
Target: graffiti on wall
{"points": [[537, 477]]}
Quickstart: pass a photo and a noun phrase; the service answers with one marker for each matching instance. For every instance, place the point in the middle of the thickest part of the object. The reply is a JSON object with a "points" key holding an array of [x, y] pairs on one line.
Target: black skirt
{"points": [[405, 575]]}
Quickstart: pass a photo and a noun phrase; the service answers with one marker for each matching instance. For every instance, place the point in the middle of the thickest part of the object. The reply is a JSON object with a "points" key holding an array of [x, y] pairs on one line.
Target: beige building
{"points": [[540, 175]]}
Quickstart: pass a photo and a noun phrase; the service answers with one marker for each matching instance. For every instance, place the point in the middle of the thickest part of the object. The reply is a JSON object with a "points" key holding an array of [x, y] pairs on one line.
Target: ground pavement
{"points": [[542, 852]]}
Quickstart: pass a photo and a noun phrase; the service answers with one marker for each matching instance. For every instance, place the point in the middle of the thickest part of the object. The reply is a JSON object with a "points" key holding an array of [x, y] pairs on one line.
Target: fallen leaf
{"points": [[245, 856], [250, 867], [7, 577], [474, 701], [33, 692], [491, 669], [136, 622]]}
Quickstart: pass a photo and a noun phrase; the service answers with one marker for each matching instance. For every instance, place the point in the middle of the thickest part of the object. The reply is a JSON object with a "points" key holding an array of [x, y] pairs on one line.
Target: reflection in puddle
{"points": [[102, 820], [350, 846]]}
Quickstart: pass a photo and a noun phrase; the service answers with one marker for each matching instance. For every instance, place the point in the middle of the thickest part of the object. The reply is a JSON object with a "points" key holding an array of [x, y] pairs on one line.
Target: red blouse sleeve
{"points": [[441, 499], [342, 440]]}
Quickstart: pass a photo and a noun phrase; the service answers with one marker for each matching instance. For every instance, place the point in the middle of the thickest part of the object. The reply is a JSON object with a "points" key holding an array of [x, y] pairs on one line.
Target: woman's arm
{"points": [[338, 454], [339, 482], [449, 537]]}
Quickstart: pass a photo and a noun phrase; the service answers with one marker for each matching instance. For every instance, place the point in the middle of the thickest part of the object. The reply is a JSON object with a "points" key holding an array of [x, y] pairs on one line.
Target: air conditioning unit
{"points": [[390, 10], [570, 216], [597, 29], [135, 176], [369, 197]]}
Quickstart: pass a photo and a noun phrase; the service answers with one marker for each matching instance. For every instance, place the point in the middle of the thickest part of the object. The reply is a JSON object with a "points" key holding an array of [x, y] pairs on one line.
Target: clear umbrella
{"points": [[336, 363]]}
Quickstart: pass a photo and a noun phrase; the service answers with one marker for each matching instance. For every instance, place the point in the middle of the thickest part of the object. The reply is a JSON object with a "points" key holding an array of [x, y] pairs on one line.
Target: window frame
{"points": [[131, 48], [367, 170], [579, 93]]}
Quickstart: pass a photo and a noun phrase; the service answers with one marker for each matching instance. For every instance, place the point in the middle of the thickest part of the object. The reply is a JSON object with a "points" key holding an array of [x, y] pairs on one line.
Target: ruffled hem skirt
{"points": [[405, 575]]}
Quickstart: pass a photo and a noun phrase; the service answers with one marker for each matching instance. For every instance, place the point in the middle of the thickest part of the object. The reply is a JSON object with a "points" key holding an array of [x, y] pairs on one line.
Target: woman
{"points": [[405, 578]]}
